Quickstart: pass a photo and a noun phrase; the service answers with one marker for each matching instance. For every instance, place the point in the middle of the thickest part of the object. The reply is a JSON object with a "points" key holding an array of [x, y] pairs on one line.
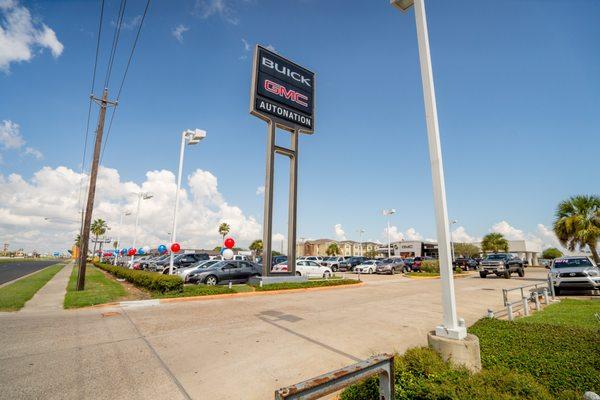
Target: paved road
{"points": [[13, 270], [234, 348]]}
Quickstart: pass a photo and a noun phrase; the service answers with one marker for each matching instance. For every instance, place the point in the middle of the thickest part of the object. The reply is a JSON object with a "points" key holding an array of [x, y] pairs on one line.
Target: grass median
{"points": [[98, 289], [14, 296], [305, 285], [554, 354]]}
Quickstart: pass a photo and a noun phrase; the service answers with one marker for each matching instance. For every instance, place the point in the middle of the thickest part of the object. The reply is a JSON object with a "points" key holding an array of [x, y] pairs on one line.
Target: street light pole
{"points": [[360, 233], [192, 137], [388, 213], [141, 196], [454, 221], [450, 327], [123, 213]]}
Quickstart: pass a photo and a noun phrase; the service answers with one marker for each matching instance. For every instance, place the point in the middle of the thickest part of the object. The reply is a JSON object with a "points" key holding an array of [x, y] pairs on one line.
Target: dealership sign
{"points": [[282, 91]]}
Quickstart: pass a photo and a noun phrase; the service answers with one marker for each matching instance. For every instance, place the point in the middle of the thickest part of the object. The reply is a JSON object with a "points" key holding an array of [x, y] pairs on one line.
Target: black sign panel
{"points": [[282, 91]]}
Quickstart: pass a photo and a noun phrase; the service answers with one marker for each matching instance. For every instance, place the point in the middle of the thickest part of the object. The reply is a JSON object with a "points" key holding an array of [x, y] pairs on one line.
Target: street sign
{"points": [[282, 91]]}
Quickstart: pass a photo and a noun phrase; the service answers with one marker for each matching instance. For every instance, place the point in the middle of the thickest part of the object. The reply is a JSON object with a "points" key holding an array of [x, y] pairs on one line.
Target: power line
{"points": [[113, 51], [137, 36]]}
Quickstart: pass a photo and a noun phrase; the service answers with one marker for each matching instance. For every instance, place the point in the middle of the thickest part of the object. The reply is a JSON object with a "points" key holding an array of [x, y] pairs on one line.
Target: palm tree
{"points": [[577, 223], [332, 249], [78, 241], [494, 242], [98, 228], [256, 246], [224, 229]]}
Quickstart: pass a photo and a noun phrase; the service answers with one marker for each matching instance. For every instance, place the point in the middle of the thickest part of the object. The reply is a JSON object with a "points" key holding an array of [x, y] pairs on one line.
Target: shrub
{"points": [[147, 280], [422, 374], [304, 285], [432, 266]]}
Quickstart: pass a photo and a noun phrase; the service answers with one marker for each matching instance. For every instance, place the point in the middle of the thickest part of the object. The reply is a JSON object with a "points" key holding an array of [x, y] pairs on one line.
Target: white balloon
{"points": [[146, 249], [228, 254]]}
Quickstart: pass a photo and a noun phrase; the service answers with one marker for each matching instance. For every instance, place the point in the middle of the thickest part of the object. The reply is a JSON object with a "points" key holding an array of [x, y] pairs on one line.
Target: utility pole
{"points": [[85, 237]]}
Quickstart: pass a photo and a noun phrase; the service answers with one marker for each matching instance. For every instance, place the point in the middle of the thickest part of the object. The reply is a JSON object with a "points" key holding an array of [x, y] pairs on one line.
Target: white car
{"points": [[311, 269], [367, 267]]}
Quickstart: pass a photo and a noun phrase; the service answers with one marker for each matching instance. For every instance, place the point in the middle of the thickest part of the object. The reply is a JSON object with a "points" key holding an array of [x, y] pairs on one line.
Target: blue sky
{"points": [[517, 88]]}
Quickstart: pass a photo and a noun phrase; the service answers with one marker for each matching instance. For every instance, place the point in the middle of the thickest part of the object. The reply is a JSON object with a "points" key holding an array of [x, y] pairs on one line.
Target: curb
{"points": [[155, 302]]}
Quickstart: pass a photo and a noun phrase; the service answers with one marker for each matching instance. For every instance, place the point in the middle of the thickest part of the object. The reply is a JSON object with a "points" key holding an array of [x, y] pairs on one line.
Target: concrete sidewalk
{"points": [[52, 296]]}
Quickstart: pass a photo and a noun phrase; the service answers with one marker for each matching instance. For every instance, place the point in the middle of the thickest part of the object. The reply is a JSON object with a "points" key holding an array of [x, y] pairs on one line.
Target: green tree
{"points": [[552, 253], [78, 241], [577, 223], [494, 242], [371, 253], [333, 249], [224, 229], [98, 229], [256, 246], [466, 250]]}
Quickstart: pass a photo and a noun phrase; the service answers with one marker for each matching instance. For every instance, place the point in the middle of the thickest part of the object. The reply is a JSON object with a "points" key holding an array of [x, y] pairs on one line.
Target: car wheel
{"points": [[326, 275], [556, 291], [298, 273], [370, 271], [211, 280], [521, 272], [482, 274], [393, 271], [334, 268], [506, 275]]}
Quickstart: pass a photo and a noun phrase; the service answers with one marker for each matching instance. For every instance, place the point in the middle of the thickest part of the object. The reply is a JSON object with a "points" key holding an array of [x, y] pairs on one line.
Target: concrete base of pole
{"points": [[276, 279], [463, 352]]}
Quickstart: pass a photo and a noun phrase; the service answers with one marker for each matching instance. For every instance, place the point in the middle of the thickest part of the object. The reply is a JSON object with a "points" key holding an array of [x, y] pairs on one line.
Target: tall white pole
{"points": [[174, 230], [450, 327], [389, 241], [137, 218], [118, 238]]}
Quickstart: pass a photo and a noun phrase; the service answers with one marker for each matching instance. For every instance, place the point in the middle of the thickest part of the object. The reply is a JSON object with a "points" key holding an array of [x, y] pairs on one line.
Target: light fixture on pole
{"points": [[360, 233], [387, 213], [123, 214], [141, 196], [454, 221], [450, 327], [190, 137]]}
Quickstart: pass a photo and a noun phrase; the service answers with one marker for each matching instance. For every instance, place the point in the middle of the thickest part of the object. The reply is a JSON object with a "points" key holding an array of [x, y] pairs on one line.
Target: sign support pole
{"points": [[293, 204], [268, 209], [450, 327]]}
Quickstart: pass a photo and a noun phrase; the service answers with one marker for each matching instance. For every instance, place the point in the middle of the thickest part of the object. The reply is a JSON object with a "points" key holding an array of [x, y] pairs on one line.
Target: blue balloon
{"points": [[162, 249], [141, 251], [223, 249], [123, 250]]}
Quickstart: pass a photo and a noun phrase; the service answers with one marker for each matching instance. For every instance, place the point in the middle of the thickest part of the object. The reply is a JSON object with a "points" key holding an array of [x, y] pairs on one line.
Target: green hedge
{"points": [[430, 266], [147, 280], [304, 285], [421, 374]]}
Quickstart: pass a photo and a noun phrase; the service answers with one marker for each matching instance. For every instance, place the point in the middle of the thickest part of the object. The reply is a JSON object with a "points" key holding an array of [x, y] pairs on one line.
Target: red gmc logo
{"points": [[291, 94]]}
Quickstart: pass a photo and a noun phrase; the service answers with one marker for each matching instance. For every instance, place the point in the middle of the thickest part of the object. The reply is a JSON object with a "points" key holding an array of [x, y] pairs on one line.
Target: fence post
{"points": [[545, 291], [526, 305], [505, 297], [490, 313], [509, 310], [551, 286], [537, 301]]}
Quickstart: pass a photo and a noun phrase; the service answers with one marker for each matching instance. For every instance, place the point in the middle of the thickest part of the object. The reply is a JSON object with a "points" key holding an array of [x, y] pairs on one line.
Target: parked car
{"points": [[179, 261], [224, 272], [184, 273], [465, 263], [146, 263], [501, 264], [575, 273], [367, 267], [409, 262], [333, 262], [349, 263], [309, 268], [136, 262], [390, 266]]}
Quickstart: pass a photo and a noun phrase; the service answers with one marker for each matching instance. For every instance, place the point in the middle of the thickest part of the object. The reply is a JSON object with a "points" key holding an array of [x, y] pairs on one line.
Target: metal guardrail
{"points": [[315, 388], [539, 289]]}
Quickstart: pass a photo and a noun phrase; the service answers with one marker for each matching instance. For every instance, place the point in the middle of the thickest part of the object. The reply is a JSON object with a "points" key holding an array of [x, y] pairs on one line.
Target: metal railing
{"points": [[535, 291], [381, 365]]}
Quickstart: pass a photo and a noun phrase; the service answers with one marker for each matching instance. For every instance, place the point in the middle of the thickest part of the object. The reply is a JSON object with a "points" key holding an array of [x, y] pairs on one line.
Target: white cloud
{"points": [[460, 235], [246, 45], [178, 32], [131, 24], [260, 190], [508, 231], [396, 235], [11, 139], [278, 237], [54, 193], [339, 232], [221, 8], [21, 35]]}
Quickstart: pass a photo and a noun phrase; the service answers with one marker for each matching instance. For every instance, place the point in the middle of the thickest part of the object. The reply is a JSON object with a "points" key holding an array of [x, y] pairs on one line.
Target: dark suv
{"points": [[349, 263], [501, 264]]}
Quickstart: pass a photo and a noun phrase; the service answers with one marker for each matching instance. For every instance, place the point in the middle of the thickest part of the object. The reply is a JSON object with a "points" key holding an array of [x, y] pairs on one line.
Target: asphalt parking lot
{"points": [[234, 348]]}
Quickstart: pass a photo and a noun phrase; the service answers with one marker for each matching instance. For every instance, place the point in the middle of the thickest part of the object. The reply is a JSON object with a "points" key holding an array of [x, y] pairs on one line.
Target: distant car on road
{"points": [[225, 272], [501, 264], [309, 268], [390, 266], [575, 273], [367, 267]]}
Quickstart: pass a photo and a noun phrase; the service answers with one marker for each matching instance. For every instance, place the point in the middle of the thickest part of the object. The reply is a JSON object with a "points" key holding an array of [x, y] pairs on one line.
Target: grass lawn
{"points": [[98, 289], [14, 296], [553, 354], [304, 285]]}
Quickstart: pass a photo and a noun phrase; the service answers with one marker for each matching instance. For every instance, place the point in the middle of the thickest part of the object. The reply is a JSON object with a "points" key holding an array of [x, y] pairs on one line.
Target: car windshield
{"points": [[572, 262], [496, 257]]}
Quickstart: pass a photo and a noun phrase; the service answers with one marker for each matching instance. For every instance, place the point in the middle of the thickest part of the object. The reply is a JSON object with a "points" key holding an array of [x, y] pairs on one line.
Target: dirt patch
{"points": [[133, 293]]}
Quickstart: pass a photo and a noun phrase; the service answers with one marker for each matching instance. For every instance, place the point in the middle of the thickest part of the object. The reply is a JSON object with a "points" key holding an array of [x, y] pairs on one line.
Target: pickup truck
{"points": [[501, 264]]}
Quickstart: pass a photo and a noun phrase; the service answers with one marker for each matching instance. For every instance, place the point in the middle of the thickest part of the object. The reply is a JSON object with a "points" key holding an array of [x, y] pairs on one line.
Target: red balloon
{"points": [[175, 247], [132, 252], [229, 243]]}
